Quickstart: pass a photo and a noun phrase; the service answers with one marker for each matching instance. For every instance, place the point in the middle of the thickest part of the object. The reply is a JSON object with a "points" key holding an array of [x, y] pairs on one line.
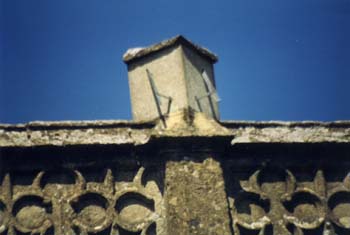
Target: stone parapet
{"points": [[194, 176], [128, 132]]}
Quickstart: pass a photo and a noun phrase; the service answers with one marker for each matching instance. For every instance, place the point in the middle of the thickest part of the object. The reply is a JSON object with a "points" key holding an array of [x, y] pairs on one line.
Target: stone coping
{"points": [[119, 132], [136, 53], [129, 123], [76, 124], [276, 123]]}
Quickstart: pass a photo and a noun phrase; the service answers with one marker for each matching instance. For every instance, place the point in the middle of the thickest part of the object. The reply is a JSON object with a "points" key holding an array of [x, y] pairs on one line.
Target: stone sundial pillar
{"points": [[169, 76]]}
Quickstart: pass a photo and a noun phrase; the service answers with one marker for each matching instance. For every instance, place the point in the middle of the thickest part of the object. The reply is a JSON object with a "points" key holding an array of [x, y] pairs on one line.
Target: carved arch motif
{"points": [[288, 207], [85, 208]]}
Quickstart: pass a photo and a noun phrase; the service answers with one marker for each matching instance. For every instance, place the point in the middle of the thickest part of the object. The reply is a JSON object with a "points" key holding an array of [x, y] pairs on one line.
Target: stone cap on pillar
{"points": [[170, 76]]}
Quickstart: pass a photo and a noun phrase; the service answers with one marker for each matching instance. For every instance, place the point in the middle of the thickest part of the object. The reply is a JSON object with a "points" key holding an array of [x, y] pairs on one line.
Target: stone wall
{"points": [[199, 177]]}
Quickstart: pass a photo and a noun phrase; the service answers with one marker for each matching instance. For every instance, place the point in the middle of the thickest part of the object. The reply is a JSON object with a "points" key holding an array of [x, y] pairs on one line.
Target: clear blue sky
{"points": [[278, 60]]}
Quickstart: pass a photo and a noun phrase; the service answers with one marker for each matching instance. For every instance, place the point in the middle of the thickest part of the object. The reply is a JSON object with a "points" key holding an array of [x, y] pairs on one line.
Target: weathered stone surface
{"points": [[74, 133], [180, 124], [289, 132], [193, 192], [187, 123]]}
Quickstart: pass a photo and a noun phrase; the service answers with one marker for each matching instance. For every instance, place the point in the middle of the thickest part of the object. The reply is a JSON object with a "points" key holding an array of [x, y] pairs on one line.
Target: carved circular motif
{"points": [[134, 214], [251, 210], [342, 213], [306, 213], [307, 209], [30, 213], [93, 215], [92, 211], [31, 217], [339, 204], [134, 211]]}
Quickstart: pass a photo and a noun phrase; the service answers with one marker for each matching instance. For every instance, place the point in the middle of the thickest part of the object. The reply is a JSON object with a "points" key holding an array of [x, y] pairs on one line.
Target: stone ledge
{"points": [[77, 124], [260, 124], [135, 133], [74, 133], [315, 134]]}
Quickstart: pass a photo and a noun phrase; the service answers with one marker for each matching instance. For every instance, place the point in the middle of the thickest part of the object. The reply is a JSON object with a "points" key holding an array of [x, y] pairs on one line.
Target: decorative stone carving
{"points": [[107, 207], [287, 207]]}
